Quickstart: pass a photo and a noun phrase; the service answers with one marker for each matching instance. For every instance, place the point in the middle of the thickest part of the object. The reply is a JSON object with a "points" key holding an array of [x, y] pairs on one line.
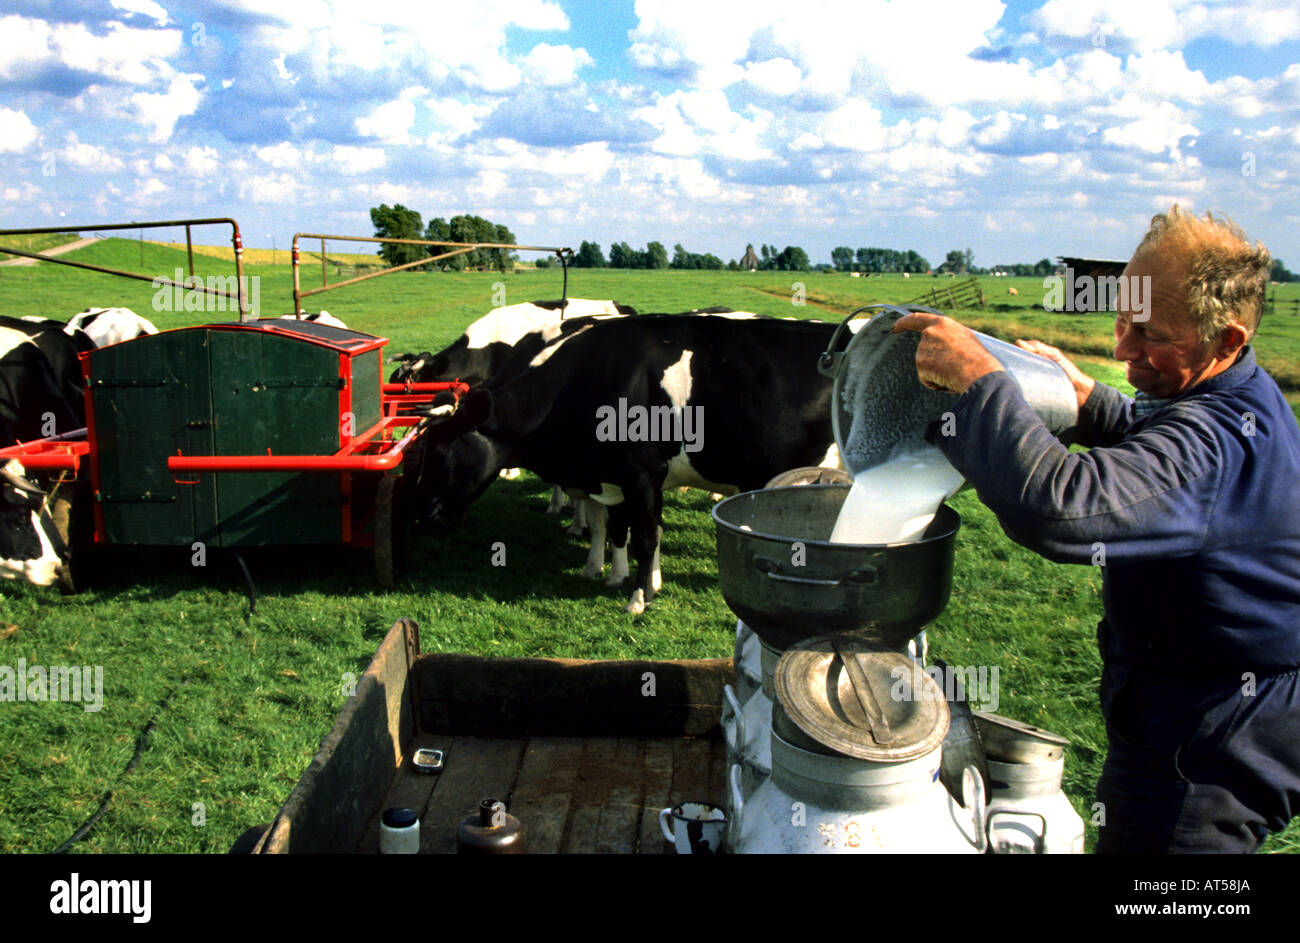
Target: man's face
{"points": [[1162, 354]]}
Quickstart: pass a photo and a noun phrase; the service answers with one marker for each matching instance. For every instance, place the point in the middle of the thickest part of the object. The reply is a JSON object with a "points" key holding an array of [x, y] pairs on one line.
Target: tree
{"points": [[792, 259], [842, 258], [656, 256], [954, 261], [589, 256], [397, 222], [1279, 272]]}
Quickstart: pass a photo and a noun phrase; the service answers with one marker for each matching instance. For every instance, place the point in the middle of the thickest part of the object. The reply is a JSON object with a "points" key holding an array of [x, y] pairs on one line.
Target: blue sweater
{"points": [[1196, 508]]}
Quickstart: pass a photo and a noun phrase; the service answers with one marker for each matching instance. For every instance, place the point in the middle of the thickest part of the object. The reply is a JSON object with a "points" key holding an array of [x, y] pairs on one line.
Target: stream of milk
{"points": [[895, 502]]}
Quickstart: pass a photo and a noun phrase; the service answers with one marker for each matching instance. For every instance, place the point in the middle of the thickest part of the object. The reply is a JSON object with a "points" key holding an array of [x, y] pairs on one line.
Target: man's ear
{"points": [[1233, 338]]}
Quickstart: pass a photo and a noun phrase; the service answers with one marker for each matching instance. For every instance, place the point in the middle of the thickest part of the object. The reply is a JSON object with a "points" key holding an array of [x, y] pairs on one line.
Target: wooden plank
{"points": [[331, 806], [548, 778], [589, 796], [475, 769], [522, 697], [410, 789], [657, 771], [620, 809], [692, 759]]}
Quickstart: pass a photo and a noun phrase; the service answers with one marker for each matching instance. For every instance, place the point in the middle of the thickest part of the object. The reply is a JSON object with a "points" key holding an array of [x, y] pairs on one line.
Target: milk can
{"points": [[1027, 811], [880, 408], [855, 743]]}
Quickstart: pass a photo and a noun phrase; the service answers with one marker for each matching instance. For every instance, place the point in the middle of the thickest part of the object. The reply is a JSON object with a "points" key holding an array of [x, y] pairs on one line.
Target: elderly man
{"points": [[1189, 499]]}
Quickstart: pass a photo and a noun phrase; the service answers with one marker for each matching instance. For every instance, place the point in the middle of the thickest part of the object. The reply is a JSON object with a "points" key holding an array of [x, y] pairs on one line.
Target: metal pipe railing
{"points": [[458, 248], [236, 243]]}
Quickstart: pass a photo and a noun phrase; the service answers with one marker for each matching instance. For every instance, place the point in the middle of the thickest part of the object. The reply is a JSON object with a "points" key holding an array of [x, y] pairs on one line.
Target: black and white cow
{"points": [[106, 326], [61, 348], [623, 408], [479, 353], [32, 406], [320, 317]]}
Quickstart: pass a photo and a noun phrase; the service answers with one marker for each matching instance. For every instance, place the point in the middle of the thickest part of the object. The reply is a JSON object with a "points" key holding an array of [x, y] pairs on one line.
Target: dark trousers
{"points": [[1220, 789]]}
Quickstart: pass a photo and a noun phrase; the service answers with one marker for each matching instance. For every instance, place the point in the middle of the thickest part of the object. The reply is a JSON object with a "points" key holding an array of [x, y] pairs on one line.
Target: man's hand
{"points": [[949, 356], [1081, 382]]}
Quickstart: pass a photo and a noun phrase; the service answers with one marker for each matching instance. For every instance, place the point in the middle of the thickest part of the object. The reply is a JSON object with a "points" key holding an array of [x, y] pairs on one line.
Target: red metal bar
{"points": [[456, 386], [345, 460], [46, 454]]}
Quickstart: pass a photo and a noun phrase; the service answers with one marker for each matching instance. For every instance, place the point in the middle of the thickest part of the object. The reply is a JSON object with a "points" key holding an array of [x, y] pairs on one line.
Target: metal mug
{"points": [[697, 828]]}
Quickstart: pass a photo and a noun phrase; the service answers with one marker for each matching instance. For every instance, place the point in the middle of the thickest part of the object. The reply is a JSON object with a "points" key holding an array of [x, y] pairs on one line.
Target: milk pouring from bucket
{"points": [[881, 410]]}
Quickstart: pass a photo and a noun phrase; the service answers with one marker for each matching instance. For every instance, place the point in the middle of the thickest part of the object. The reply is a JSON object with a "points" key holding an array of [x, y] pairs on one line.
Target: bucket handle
{"points": [[828, 364], [865, 575]]}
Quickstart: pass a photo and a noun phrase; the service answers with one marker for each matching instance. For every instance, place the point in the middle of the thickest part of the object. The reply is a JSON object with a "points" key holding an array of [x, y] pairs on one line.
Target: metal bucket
{"points": [[883, 593], [880, 408]]}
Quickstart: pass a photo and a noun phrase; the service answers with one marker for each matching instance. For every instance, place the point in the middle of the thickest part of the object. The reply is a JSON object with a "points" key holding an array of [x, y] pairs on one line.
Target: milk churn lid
{"points": [[867, 704], [880, 407]]}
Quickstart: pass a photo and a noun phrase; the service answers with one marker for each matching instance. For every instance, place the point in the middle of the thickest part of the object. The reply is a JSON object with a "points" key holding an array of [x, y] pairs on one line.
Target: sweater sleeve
{"points": [[1148, 496], [1105, 417]]}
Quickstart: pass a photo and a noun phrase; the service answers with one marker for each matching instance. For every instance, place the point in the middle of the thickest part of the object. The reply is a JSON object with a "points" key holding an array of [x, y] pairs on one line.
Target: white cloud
{"points": [[457, 117], [16, 131], [1150, 25], [164, 109], [119, 53], [202, 160], [555, 66], [777, 76], [390, 121], [358, 160], [144, 7], [85, 156], [281, 156]]}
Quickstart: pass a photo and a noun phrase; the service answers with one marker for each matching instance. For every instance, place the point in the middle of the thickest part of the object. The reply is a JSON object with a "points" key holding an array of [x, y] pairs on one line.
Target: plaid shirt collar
{"points": [[1144, 405]]}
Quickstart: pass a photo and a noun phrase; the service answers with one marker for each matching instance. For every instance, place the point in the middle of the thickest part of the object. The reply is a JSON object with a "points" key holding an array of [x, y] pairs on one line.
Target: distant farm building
{"points": [[749, 261]]}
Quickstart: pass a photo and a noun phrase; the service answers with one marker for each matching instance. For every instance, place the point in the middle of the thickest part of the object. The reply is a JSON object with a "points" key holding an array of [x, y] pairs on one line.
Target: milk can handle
{"points": [[730, 703], [1041, 838], [737, 805], [743, 633], [977, 810]]}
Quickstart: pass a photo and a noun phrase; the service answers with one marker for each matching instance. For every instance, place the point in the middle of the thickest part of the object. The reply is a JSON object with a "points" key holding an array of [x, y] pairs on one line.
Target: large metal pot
{"points": [[780, 574]]}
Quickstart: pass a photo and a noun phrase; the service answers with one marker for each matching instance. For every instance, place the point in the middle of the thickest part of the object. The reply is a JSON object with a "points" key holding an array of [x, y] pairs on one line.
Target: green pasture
{"points": [[235, 706]]}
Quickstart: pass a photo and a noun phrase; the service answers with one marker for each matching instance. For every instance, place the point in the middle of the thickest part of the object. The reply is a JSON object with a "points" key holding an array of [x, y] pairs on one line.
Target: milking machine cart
{"points": [[250, 433]]}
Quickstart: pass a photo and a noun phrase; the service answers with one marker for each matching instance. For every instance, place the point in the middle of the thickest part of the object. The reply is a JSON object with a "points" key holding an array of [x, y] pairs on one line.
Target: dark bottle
{"points": [[490, 832]]}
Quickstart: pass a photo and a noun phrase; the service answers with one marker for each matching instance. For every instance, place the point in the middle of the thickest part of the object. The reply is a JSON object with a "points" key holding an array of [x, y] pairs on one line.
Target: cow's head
{"points": [[456, 462], [28, 534]]}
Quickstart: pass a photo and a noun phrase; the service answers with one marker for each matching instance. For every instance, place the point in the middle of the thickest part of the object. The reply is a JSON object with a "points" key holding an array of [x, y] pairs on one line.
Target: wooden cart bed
{"points": [[584, 753]]}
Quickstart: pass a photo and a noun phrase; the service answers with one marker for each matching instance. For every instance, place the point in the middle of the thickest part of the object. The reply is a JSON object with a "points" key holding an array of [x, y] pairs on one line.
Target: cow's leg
{"points": [[656, 578], [557, 500], [643, 510], [579, 523], [596, 555], [618, 570]]}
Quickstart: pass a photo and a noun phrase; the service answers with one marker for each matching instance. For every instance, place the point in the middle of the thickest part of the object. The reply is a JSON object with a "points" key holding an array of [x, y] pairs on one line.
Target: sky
{"points": [[1020, 130]]}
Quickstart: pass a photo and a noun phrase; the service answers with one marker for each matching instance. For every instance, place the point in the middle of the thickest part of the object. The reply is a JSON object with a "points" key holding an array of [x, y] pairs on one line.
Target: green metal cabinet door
{"points": [[270, 391], [150, 400]]}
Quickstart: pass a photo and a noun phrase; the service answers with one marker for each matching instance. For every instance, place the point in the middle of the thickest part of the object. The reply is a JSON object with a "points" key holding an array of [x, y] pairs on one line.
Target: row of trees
{"points": [[875, 261], [654, 256], [398, 222]]}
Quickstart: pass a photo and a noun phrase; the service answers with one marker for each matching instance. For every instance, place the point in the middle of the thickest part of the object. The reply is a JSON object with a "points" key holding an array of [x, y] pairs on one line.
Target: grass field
{"points": [[237, 706]]}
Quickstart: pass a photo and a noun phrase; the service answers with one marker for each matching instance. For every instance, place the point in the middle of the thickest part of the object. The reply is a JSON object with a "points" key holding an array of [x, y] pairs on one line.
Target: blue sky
{"points": [[1020, 130]]}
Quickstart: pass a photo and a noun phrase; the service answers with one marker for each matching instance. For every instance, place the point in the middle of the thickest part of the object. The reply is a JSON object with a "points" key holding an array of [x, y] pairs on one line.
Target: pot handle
{"points": [[972, 774], [732, 704], [866, 575]]}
